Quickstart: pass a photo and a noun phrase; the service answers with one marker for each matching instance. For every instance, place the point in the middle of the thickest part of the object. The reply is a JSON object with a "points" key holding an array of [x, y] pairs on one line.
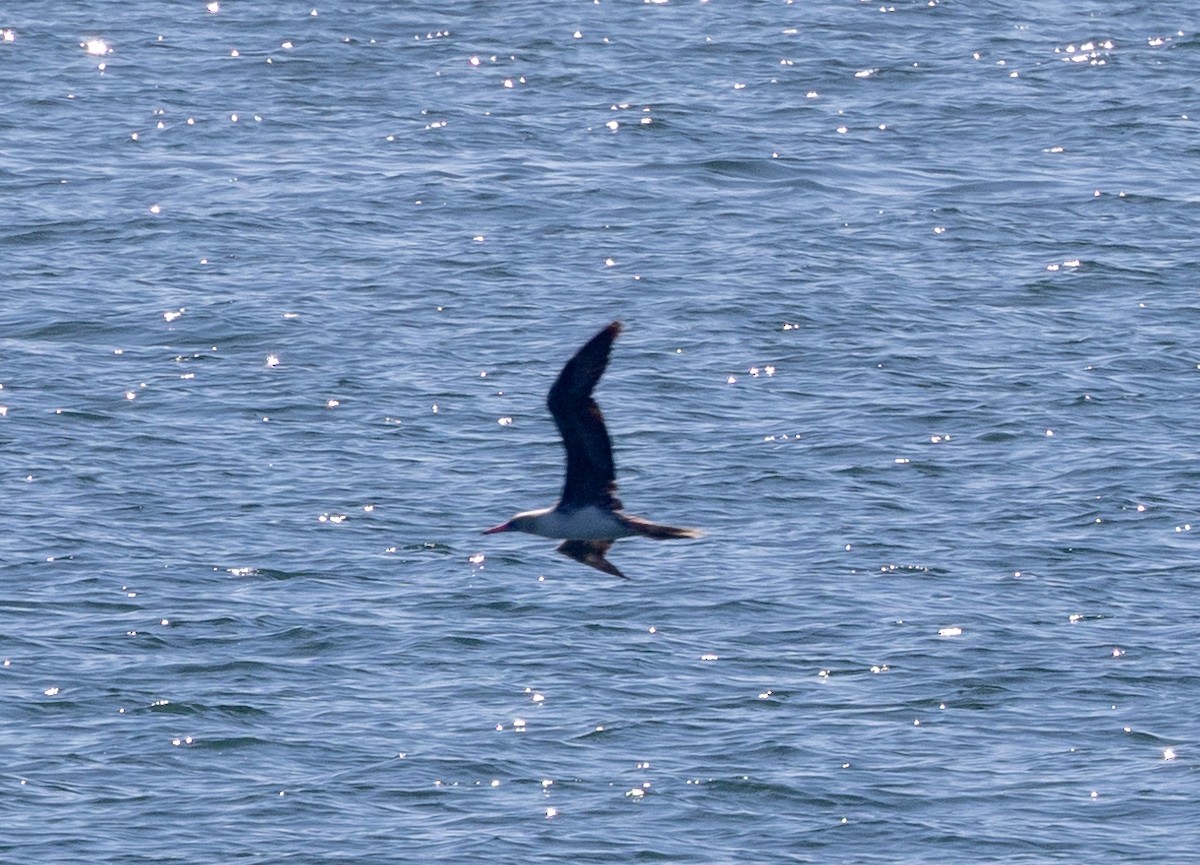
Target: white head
{"points": [[523, 522]]}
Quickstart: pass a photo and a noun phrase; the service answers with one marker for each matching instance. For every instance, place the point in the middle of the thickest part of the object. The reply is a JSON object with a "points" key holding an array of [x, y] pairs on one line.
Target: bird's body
{"points": [[588, 516], [588, 523]]}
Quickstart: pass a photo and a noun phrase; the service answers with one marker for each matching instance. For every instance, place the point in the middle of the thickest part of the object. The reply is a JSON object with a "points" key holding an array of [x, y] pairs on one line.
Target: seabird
{"points": [[588, 516]]}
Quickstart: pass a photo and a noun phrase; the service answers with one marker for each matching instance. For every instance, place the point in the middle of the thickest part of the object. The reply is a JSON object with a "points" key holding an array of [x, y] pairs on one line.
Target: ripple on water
{"points": [[909, 337]]}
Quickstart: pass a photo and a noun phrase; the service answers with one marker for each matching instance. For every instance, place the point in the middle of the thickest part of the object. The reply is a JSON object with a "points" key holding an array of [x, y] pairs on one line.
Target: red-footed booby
{"points": [[588, 516]]}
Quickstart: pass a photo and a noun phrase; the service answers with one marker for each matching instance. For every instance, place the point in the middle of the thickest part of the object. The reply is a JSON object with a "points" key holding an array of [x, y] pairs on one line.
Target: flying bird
{"points": [[588, 516]]}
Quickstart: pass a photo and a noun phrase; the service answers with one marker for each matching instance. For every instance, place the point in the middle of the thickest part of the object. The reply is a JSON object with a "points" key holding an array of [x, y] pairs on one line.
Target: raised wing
{"points": [[591, 477]]}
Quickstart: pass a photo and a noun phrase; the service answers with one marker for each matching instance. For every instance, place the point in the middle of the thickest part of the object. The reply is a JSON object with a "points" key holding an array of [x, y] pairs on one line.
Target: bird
{"points": [[588, 517]]}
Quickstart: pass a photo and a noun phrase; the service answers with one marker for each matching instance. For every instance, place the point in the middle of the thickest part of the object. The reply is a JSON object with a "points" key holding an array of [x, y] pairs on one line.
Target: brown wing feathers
{"points": [[591, 477]]}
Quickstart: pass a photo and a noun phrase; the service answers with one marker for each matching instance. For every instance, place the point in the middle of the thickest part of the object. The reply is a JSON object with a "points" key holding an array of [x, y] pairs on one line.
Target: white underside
{"points": [[584, 524]]}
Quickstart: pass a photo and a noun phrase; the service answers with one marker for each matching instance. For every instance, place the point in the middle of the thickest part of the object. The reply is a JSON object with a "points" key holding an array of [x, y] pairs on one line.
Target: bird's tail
{"points": [[659, 533]]}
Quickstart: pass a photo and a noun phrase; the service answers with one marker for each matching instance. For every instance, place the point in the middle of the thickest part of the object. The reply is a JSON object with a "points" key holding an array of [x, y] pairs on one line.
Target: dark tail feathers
{"points": [[659, 533]]}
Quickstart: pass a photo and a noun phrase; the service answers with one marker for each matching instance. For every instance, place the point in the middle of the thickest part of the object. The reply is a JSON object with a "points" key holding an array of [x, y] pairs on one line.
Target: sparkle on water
{"points": [[910, 335]]}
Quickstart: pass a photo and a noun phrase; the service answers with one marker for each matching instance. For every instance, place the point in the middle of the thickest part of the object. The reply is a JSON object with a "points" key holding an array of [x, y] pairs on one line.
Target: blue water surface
{"points": [[912, 333]]}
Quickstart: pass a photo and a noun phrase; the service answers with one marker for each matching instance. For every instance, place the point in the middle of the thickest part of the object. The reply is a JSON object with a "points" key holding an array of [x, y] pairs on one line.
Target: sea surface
{"points": [[911, 295]]}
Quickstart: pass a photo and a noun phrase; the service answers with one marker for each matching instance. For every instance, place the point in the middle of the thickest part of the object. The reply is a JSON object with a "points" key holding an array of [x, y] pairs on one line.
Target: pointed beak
{"points": [[503, 527]]}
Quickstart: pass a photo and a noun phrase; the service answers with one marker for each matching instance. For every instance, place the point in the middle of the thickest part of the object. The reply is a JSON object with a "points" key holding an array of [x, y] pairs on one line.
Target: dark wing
{"points": [[591, 479], [591, 553]]}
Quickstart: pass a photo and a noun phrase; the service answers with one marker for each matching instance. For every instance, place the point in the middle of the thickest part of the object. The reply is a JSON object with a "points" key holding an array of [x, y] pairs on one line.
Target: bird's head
{"points": [[520, 523]]}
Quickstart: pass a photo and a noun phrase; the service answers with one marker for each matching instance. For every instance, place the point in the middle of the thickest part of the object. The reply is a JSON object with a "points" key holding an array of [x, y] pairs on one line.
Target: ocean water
{"points": [[912, 333]]}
